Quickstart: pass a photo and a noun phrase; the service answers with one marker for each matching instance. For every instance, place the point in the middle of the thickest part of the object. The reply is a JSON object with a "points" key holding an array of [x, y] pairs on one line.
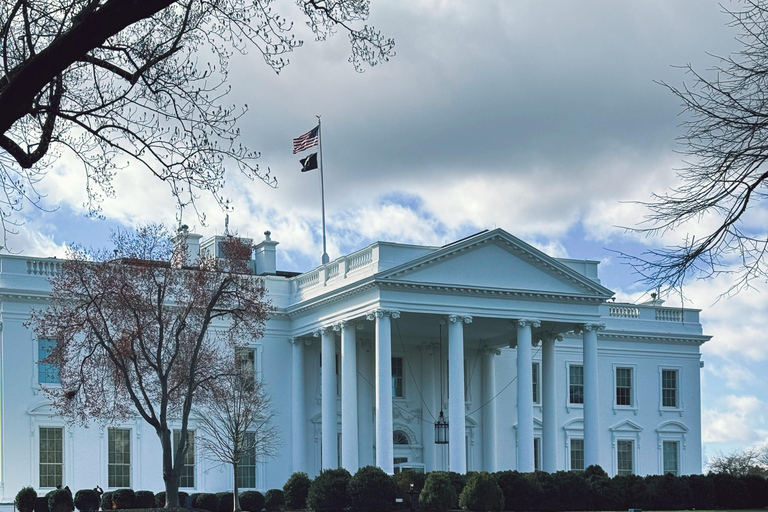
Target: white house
{"points": [[529, 359]]}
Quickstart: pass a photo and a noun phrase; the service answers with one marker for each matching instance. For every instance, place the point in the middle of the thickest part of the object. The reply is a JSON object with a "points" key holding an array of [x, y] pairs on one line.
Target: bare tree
{"points": [[724, 178], [120, 83], [138, 333], [236, 425]]}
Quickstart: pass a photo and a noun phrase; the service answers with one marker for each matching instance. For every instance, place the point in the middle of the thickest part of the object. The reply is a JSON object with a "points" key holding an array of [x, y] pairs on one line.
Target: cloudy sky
{"points": [[542, 118]]}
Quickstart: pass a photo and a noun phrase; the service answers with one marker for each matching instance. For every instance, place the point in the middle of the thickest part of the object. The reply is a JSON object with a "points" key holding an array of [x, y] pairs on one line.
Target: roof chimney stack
{"points": [[192, 241], [266, 256]]}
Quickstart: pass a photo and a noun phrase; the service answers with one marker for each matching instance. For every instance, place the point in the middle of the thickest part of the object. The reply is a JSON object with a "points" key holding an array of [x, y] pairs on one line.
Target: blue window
{"points": [[46, 372]]}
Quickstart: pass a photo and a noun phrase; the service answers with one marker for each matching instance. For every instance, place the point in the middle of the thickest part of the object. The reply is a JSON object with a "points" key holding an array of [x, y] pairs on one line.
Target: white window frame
{"points": [[43, 415], [672, 431], [632, 390], [195, 461], [680, 406], [405, 387], [37, 386], [63, 430], [258, 470], [537, 383], [568, 404], [132, 454], [627, 431], [574, 429], [677, 456], [537, 453], [632, 453]]}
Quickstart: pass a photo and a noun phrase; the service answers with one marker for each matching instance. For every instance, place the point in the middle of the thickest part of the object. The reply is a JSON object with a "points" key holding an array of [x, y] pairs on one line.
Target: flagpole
{"points": [[325, 258]]}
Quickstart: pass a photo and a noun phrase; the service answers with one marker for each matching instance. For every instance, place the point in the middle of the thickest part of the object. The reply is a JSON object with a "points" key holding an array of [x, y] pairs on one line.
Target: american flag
{"points": [[307, 140]]}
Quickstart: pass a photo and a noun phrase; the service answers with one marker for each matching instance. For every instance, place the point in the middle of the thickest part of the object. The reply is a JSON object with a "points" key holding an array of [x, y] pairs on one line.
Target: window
{"points": [[577, 455], [624, 386], [397, 377], [535, 373], [245, 362], [119, 472], [671, 461], [46, 372], [536, 457], [187, 478], [669, 386], [624, 457], [246, 469], [400, 460], [399, 437], [576, 384], [51, 456]]}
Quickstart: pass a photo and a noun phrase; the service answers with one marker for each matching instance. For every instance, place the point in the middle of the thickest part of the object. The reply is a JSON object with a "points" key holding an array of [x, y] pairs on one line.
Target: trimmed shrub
{"points": [[329, 491], [41, 504], [630, 491], [729, 492], [205, 501], [458, 481], [60, 500], [570, 491], [87, 500], [757, 491], [252, 501], [482, 493], [106, 500], [403, 481], [123, 499], [226, 501], [144, 499], [274, 500], [183, 498], [25, 499], [438, 494], [519, 493], [372, 490], [295, 491], [667, 492]]}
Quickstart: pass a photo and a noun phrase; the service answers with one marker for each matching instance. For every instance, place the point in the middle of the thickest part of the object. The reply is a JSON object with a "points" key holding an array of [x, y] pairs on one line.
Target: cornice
{"points": [[690, 339], [498, 292], [330, 297], [24, 295]]}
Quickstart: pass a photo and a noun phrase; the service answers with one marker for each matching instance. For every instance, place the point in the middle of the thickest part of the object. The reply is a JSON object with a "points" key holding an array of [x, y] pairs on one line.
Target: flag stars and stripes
{"points": [[307, 140]]}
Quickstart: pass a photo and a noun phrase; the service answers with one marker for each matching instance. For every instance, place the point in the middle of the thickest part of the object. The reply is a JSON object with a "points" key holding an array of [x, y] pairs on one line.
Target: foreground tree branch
{"points": [[122, 83]]}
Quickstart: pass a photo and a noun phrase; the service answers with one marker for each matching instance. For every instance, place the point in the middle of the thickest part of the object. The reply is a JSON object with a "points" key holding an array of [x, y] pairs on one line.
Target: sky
{"points": [[545, 119]]}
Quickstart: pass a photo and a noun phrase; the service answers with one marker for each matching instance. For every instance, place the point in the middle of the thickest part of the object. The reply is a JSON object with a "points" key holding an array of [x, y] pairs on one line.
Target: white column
{"points": [[525, 459], [428, 390], [591, 409], [489, 411], [549, 404], [298, 407], [349, 439], [456, 403], [330, 457], [384, 446]]}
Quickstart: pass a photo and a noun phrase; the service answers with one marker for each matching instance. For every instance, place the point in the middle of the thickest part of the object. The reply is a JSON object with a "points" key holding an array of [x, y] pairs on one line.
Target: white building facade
{"points": [[531, 363]]}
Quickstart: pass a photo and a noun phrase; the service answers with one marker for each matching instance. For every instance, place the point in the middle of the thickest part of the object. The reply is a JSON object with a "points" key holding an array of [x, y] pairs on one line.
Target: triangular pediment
{"points": [[627, 426], [495, 260]]}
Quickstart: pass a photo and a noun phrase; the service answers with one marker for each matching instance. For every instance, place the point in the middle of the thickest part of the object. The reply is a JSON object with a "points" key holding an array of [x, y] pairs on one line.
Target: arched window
{"points": [[399, 437]]}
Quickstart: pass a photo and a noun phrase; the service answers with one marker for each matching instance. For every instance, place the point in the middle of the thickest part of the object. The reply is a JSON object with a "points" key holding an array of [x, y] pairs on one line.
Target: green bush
{"points": [[183, 498], [251, 501], [205, 501], [701, 492], [569, 490], [274, 500], [458, 481], [144, 499], [25, 500], [481, 494], [295, 491], [372, 490], [403, 481], [41, 504], [519, 493], [757, 491], [226, 502], [106, 500], [87, 500], [329, 491], [630, 491], [438, 494], [123, 499], [60, 500]]}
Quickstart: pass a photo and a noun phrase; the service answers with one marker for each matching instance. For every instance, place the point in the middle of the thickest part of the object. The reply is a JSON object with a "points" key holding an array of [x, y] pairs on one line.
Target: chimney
{"points": [[266, 256], [192, 241]]}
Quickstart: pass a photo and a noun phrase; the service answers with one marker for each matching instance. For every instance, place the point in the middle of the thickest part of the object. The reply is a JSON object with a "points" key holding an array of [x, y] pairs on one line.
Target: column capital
{"points": [[491, 351], [590, 327], [340, 325], [459, 319], [326, 329], [380, 313], [298, 340], [522, 322], [551, 337]]}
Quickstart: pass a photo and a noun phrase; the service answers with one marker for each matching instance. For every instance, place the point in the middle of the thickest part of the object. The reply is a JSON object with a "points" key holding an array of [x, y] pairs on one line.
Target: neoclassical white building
{"points": [[532, 363]]}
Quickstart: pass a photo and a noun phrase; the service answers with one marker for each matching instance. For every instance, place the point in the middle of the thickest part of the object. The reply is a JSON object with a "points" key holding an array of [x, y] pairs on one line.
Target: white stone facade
{"points": [[539, 370]]}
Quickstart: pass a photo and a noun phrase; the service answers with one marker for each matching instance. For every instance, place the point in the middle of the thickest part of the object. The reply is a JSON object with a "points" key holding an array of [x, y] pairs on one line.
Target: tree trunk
{"points": [[235, 490], [170, 477]]}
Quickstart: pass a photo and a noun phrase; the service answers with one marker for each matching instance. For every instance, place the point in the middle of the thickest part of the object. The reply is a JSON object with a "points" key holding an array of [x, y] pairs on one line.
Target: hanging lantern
{"points": [[441, 430]]}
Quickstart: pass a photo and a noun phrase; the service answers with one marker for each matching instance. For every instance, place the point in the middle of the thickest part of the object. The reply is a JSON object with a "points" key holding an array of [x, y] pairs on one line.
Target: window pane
{"points": [[623, 386], [671, 457], [535, 373], [51, 456], [577, 455], [625, 454], [119, 469], [187, 478], [246, 469], [536, 459], [669, 388], [576, 387], [397, 377], [46, 372]]}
